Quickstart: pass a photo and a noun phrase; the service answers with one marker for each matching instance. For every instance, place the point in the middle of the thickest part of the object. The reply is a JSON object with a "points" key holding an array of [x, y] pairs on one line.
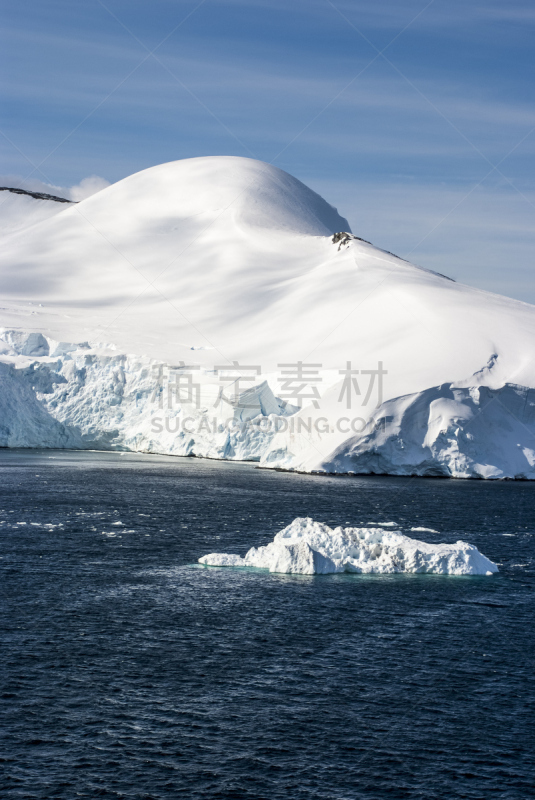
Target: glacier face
{"points": [[307, 547], [449, 431], [75, 396], [63, 395], [192, 265]]}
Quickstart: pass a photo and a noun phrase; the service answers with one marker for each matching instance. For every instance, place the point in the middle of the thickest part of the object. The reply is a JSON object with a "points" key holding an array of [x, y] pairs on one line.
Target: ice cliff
{"points": [[61, 395]]}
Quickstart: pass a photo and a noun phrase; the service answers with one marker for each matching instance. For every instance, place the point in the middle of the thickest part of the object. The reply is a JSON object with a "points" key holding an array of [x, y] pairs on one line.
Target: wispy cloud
{"points": [[377, 112]]}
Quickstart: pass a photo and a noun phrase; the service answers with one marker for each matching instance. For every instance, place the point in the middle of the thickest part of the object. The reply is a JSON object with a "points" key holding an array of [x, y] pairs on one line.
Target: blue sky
{"points": [[415, 119]]}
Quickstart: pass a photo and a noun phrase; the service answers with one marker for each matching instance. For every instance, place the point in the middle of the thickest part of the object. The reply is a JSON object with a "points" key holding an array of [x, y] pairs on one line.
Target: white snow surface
{"points": [[209, 261], [307, 547], [20, 211]]}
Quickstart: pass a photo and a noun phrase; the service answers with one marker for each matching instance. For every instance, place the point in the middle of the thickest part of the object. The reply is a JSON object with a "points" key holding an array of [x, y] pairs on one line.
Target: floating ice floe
{"points": [[311, 548]]}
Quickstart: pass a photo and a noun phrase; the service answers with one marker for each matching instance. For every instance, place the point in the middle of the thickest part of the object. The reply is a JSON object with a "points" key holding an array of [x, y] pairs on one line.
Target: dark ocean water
{"points": [[129, 673]]}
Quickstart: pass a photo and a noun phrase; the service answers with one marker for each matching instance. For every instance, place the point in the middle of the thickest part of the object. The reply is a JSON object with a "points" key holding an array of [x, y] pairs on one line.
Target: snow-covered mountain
{"points": [[221, 262]]}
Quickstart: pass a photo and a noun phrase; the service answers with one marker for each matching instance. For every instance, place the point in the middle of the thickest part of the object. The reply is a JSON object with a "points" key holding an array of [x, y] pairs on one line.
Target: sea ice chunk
{"points": [[311, 548]]}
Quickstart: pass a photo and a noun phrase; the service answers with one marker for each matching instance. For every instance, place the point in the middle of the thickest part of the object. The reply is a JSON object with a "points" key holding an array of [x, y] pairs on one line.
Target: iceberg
{"points": [[307, 547]]}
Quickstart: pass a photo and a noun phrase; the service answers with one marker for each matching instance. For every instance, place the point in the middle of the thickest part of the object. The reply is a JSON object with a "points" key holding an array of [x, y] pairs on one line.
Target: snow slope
{"points": [[210, 261], [20, 211], [307, 547]]}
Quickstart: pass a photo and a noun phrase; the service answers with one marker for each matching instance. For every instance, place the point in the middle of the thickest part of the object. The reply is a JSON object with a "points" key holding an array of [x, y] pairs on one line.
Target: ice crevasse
{"points": [[308, 547]]}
